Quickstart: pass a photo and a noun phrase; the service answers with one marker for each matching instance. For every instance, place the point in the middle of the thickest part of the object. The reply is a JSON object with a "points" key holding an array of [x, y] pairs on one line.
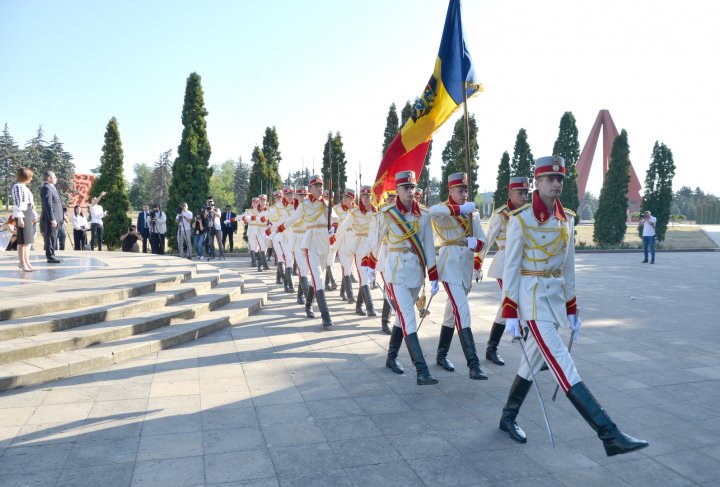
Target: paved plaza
{"points": [[278, 401]]}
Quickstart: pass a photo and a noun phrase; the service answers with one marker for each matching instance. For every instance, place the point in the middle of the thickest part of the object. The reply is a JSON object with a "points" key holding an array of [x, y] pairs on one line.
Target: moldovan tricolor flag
{"points": [[453, 73]]}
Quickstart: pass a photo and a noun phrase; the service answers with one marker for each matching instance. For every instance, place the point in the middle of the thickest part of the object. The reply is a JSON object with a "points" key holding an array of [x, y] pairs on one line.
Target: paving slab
{"points": [[279, 401]]}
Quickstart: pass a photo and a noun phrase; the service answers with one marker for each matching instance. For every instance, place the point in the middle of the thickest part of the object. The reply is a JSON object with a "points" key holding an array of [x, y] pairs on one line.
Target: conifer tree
{"points": [[658, 188], [141, 186], [60, 162], [161, 181], [453, 156], [339, 163], [191, 170], [611, 216], [258, 176], [10, 158], [391, 128], [241, 182], [271, 150], [523, 163], [111, 180], [568, 147], [503, 180], [34, 155], [405, 114]]}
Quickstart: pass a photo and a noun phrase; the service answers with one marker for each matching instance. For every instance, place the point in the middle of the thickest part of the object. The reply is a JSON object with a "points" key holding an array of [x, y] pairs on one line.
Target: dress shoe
{"points": [[53, 260]]}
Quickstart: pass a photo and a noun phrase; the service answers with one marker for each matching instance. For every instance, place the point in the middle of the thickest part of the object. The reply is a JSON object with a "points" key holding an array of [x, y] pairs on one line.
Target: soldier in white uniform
{"points": [[344, 246], [294, 235], [390, 199], [410, 254], [274, 214], [422, 300], [354, 232], [315, 246], [497, 227], [262, 221], [458, 228], [539, 290], [249, 218], [285, 239]]}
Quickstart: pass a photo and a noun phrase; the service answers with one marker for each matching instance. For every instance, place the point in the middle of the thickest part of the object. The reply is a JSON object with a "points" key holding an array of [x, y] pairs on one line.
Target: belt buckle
{"points": [[557, 273]]}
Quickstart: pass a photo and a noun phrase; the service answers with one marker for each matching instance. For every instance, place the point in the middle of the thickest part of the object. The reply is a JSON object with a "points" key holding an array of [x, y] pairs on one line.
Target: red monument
{"points": [[80, 194], [604, 121]]}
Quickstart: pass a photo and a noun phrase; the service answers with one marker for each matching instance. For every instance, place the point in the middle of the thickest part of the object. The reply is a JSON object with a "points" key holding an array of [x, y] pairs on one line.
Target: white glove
{"points": [[472, 242], [371, 276], [467, 207], [512, 326], [331, 231], [227, 222], [575, 325], [272, 235], [434, 288], [477, 275]]}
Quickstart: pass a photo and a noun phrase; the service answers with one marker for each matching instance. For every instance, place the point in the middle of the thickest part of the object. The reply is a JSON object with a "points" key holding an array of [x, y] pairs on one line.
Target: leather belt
{"points": [[545, 273], [454, 243], [361, 234], [403, 250], [316, 226]]}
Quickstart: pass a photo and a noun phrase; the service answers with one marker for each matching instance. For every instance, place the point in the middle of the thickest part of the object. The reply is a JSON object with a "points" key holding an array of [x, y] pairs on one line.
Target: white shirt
{"points": [[96, 214], [185, 224], [79, 222], [22, 199], [649, 227]]}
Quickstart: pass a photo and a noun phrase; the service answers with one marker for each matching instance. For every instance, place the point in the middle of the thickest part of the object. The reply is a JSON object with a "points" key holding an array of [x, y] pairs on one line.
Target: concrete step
{"points": [[205, 279], [220, 312]]}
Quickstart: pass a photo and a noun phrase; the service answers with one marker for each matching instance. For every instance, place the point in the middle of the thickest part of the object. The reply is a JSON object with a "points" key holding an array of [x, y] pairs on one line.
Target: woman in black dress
{"points": [[24, 214]]}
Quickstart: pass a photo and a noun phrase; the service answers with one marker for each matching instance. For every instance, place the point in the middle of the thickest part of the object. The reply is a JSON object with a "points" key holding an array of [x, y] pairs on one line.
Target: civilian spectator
{"points": [[24, 214], [184, 219], [130, 240], [158, 229], [80, 227], [96, 222]]}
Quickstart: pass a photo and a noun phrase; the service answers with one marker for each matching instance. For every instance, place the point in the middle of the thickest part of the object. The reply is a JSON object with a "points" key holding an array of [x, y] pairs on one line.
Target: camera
{"points": [[153, 214], [179, 209]]}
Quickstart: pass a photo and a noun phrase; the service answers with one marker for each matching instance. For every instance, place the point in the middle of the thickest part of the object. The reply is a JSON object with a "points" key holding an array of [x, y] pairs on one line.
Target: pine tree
{"points": [[271, 150], [258, 176], [391, 128], [112, 180], [34, 155], [60, 162], [523, 163], [161, 180], [453, 156], [658, 188], [191, 170], [141, 186], [339, 163], [568, 147], [611, 216], [424, 177], [241, 183], [405, 114], [10, 157], [503, 181]]}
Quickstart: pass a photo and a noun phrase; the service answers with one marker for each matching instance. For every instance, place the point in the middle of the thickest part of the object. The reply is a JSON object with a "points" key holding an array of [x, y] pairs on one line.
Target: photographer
{"points": [[647, 225], [143, 226], [184, 218], [130, 240], [198, 232], [158, 229], [213, 231]]}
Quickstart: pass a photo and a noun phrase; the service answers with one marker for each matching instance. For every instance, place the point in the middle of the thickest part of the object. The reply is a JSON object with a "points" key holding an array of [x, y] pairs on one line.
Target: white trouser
{"points": [[316, 268], [362, 271], [457, 309], [331, 256], [498, 316], [403, 300], [346, 262], [261, 241], [544, 344], [279, 247], [301, 262]]}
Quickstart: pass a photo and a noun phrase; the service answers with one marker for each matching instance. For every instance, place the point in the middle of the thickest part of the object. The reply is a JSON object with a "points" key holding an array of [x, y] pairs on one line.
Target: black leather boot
{"points": [[302, 290], [396, 338], [473, 362], [359, 310], [279, 274], [491, 352], [309, 301], [327, 278], [342, 289], [289, 287], [518, 393], [332, 284], [348, 290], [615, 441], [367, 297], [324, 311], [253, 259], [446, 336], [295, 269], [265, 261], [385, 319], [423, 374]]}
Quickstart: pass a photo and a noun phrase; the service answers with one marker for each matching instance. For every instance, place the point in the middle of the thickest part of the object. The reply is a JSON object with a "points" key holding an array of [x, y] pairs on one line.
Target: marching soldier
{"points": [[539, 289], [422, 300], [315, 244], [261, 236], [390, 199], [410, 253], [249, 218], [294, 235], [460, 232], [274, 213], [286, 241], [354, 232], [497, 227], [330, 283], [342, 246]]}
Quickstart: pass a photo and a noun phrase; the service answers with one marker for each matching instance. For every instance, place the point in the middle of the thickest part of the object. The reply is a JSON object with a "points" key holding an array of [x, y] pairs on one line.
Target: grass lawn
{"points": [[677, 237]]}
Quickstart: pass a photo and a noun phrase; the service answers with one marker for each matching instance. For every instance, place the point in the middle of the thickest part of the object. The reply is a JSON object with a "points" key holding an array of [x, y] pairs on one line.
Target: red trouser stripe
{"points": [[549, 358], [456, 313], [312, 276], [282, 251], [391, 293], [299, 266]]}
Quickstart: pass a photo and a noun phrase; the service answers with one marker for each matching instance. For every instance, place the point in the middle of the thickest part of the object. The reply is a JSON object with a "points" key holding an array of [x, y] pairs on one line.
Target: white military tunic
{"points": [[353, 233]]}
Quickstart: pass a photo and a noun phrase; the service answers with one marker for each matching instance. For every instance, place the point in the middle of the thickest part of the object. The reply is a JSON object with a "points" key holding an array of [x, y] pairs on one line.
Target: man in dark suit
{"points": [[229, 226], [52, 215], [143, 226]]}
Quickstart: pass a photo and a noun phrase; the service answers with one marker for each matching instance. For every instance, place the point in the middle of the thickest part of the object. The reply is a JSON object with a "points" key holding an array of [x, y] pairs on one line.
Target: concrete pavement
{"points": [[279, 401]]}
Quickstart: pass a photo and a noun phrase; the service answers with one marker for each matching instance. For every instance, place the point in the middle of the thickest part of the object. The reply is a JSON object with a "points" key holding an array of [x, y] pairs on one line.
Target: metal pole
{"points": [[467, 155]]}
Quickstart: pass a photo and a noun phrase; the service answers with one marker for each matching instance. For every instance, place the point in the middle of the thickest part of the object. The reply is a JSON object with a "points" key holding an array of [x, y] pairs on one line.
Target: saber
{"points": [[425, 311], [537, 389], [569, 347]]}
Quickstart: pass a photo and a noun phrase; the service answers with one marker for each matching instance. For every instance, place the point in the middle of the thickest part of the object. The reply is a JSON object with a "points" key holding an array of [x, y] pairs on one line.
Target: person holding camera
{"points": [[158, 229], [143, 226], [184, 218], [212, 217], [130, 239], [230, 226], [96, 222], [198, 232], [647, 225], [80, 227]]}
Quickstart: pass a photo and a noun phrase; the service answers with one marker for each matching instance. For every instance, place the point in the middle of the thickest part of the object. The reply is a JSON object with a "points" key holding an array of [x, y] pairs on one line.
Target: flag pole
{"points": [[330, 184], [467, 154]]}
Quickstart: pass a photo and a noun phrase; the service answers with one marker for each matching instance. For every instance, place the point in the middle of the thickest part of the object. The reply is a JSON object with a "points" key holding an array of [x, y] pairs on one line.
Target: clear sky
{"points": [[313, 66]]}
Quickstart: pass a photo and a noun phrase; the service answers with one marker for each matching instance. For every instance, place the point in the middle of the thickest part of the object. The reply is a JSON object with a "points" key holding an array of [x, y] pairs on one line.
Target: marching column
{"points": [[344, 245]]}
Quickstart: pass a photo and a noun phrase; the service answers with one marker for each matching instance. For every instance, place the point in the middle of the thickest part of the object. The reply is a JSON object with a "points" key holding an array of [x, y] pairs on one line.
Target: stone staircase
{"points": [[69, 335]]}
